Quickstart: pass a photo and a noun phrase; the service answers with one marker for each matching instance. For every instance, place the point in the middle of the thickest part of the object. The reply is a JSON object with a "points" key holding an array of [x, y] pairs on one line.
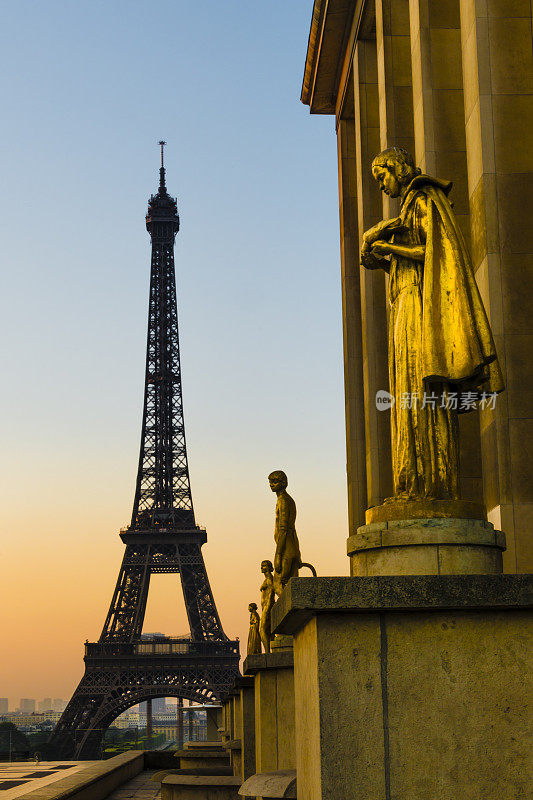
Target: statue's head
{"points": [[252, 607], [267, 566], [278, 480], [393, 169]]}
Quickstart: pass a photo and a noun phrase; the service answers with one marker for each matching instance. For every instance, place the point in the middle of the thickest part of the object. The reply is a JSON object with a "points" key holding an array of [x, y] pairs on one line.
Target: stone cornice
{"points": [[304, 598]]}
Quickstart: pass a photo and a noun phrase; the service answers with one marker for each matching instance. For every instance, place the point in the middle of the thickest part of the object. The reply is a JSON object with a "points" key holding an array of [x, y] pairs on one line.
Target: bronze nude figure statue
{"points": [[287, 560]]}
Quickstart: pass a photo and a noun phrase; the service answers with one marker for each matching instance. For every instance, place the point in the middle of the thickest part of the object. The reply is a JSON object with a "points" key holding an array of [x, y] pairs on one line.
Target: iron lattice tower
{"points": [[122, 668]]}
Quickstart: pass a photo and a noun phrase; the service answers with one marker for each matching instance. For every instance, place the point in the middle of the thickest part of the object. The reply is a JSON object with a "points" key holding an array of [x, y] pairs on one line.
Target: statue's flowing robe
{"points": [[267, 601], [254, 637], [440, 344]]}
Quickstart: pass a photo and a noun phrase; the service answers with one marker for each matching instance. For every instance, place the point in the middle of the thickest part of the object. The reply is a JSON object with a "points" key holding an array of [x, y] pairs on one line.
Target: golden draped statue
{"points": [[254, 637], [442, 359]]}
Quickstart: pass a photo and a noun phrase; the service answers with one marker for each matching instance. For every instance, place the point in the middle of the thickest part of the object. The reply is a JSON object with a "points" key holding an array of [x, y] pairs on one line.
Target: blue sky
{"points": [[88, 88]]}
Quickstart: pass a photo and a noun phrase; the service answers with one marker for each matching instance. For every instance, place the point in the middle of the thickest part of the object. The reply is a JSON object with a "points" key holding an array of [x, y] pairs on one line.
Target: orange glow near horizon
{"points": [[61, 575]]}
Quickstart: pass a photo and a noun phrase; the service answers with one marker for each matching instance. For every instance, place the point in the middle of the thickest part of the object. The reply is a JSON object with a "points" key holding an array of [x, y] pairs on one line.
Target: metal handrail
{"points": [[161, 647]]}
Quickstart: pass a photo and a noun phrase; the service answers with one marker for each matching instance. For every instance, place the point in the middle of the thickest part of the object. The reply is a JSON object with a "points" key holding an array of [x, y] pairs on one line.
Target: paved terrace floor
{"points": [[20, 777]]}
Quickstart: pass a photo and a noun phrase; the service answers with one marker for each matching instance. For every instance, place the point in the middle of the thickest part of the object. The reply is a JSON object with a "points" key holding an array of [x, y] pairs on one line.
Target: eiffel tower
{"points": [[122, 668]]}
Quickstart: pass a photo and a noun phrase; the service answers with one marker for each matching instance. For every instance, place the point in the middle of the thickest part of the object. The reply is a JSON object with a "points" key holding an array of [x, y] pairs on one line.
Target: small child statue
{"points": [[254, 639]]}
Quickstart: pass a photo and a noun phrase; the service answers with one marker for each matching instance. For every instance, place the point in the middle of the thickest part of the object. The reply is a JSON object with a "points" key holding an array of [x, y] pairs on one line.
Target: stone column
{"points": [[234, 746], [247, 726], [190, 723], [149, 726], [373, 283], [227, 721], [237, 721], [498, 107], [440, 150], [179, 723], [395, 89], [352, 331], [214, 722], [440, 144]]}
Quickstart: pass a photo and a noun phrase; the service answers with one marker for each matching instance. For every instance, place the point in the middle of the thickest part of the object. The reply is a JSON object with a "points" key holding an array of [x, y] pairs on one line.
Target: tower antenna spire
{"points": [[162, 186]]}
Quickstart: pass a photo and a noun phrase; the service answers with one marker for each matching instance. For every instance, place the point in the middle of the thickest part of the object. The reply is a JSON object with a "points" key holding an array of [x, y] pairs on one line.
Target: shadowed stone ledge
{"points": [[302, 598], [278, 660]]}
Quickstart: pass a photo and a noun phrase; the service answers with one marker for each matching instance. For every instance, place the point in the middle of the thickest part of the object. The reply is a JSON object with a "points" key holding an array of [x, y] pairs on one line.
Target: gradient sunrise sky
{"points": [[88, 88]]}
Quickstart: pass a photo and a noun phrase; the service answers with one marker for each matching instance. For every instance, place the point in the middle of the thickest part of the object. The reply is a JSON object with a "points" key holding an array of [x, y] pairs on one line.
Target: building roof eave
{"points": [[319, 9], [330, 28]]}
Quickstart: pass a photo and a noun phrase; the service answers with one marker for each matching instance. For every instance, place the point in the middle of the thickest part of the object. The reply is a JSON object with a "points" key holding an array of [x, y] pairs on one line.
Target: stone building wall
{"points": [[453, 83]]}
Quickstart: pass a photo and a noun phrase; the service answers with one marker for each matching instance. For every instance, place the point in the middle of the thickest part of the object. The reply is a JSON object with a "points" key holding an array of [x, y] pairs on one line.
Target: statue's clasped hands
{"points": [[381, 249], [375, 243]]}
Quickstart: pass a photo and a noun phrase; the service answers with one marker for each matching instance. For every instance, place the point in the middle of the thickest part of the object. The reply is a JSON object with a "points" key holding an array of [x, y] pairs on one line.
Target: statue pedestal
{"points": [[274, 709], [411, 686], [426, 537], [238, 730]]}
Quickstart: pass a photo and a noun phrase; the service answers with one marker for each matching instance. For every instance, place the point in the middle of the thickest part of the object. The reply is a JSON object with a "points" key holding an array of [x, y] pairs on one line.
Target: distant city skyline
{"points": [[30, 705]]}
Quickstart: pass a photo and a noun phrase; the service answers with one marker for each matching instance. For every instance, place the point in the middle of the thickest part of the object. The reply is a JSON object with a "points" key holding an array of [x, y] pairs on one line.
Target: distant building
{"points": [[45, 704], [170, 731], [159, 706], [52, 716], [58, 704], [4, 705], [24, 720], [194, 725], [30, 720], [125, 721], [27, 705]]}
